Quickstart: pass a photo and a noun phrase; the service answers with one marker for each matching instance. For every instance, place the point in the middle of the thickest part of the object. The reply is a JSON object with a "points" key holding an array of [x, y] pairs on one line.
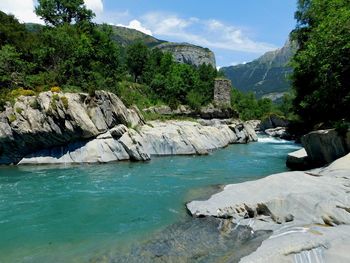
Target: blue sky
{"points": [[237, 31]]}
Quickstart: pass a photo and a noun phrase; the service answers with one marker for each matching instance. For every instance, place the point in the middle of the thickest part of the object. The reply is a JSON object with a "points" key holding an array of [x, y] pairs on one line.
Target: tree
{"points": [[137, 56], [59, 12], [12, 68], [321, 77]]}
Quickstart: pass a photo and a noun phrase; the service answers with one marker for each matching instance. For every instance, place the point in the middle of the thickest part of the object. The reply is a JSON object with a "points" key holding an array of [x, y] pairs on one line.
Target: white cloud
{"points": [[95, 5], [22, 9], [209, 33], [135, 24]]}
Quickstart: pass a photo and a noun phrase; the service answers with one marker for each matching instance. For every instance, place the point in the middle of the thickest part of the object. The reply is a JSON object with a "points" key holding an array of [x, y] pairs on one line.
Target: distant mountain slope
{"points": [[127, 36], [266, 76]]}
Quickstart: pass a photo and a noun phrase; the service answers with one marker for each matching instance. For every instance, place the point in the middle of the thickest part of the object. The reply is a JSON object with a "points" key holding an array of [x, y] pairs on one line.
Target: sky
{"points": [[238, 31]]}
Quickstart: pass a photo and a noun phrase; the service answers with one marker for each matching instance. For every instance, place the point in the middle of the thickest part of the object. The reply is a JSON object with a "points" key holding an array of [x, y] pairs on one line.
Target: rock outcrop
{"points": [[307, 212], [57, 119], [189, 54], [78, 128], [153, 139]]}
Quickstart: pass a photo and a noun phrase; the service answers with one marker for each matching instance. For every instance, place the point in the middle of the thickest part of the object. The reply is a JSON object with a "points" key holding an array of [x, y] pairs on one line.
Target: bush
{"points": [[19, 110], [54, 99], [35, 105], [55, 89], [65, 102], [22, 92], [12, 118]]}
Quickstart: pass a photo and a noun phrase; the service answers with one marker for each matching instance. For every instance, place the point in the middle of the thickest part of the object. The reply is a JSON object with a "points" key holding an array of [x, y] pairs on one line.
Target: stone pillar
{"points": [[222, 92]]}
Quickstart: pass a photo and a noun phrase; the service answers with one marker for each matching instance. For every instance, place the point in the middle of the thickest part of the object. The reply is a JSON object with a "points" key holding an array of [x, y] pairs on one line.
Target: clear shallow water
{"points": [[73, 213]]}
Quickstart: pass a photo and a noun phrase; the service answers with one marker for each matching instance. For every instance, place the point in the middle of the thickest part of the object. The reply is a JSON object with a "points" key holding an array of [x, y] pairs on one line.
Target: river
{"points": [[92, 213]]}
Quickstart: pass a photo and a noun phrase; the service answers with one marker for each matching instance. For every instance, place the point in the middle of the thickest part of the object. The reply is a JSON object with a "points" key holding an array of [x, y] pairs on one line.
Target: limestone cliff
{"points": [[189, 54]]}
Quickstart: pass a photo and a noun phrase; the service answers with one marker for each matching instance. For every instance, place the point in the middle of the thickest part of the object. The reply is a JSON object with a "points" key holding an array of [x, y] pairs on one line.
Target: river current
{"points": [[113, 212]]}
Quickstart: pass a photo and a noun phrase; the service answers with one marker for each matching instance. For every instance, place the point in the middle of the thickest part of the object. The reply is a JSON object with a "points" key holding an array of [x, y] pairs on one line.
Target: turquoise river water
{"points": [[75, 213]]}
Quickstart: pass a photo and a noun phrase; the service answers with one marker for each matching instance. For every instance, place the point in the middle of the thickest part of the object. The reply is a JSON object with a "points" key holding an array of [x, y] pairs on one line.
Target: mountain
{"points": [[189, 54], [182, 52], [266, 76], [127, 36]]}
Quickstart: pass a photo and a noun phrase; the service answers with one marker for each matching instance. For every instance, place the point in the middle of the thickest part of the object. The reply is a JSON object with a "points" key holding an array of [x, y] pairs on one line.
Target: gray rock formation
{"points": [[273, 121], [189, 54], [155, 138], [308, 212], [325, 146], [49, 120]]}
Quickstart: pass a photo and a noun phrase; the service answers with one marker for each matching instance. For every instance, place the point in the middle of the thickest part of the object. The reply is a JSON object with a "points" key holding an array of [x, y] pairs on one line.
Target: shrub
{"points": [[65, 102], [12, 118], [19, 110], [56, 89], [22, 92], [55, 97], [35, 105]]}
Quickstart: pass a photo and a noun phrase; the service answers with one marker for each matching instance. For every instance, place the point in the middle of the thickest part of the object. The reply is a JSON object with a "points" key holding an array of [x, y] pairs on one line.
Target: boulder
{"points": [[273, 121], [325, 146], [279, 132], [255, 124], [298, 160]]}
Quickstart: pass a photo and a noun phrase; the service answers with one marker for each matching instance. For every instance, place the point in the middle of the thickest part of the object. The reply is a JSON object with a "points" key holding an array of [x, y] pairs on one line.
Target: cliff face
{"points": [[265, 76], [189, 54]]}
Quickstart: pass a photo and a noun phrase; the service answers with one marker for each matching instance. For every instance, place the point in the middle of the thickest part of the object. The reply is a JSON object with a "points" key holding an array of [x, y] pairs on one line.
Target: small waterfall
{"points": [[310, 256]]}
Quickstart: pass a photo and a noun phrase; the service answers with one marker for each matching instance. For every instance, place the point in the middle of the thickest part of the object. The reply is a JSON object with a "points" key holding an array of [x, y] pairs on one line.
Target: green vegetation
{"points": [[65, 102], [72, 54], [12, 118], [321, 76]]}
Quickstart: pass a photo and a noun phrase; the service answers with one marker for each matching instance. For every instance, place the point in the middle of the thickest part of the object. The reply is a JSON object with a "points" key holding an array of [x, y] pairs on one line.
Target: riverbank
{"points": [[70, 128], [308, 212]]}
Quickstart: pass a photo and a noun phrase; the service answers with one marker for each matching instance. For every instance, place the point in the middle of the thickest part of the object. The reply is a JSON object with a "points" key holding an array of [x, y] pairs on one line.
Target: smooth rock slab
{"points": [[306, 210]]}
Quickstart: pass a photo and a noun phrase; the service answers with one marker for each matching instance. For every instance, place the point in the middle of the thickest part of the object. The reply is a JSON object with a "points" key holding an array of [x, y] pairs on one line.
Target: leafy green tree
{"points": [[12, 67], [137, 56], [321, 77], [59, 12]]}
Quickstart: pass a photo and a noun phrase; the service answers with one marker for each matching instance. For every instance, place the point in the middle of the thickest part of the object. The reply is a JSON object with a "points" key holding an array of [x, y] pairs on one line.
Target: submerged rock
{"points": [[308, 212], [194, 240]]}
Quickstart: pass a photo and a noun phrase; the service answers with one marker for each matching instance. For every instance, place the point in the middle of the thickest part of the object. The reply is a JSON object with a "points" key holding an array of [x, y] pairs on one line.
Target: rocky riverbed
{"points": [[308, 212]]}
